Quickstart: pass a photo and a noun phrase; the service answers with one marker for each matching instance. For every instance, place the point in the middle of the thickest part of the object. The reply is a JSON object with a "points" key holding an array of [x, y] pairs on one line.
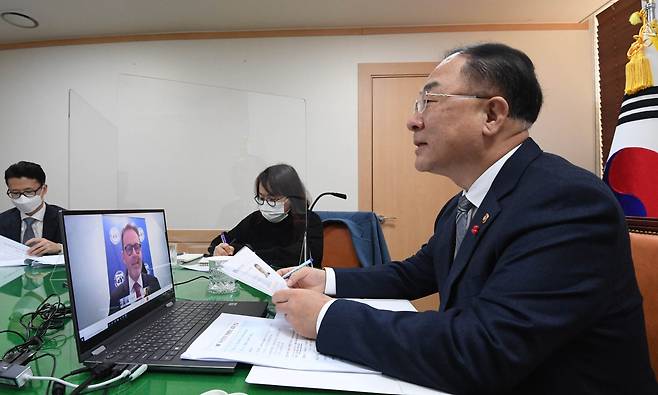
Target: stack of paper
{"points": [[357, 382], [282, 357], [262, 341], [13, 253]]}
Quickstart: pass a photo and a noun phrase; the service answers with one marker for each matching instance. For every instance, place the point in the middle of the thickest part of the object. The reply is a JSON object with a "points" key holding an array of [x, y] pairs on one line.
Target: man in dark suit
{"points": [[32, 222], [531, 261], [138, 283]]}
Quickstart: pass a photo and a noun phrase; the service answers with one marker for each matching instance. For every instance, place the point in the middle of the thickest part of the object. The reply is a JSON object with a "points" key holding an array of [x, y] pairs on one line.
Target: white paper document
{"points": [[187, 258], [200, 265], [247, 267], [12, 253], [387, 304], [342, 381], [262, 341], [358, 382]]}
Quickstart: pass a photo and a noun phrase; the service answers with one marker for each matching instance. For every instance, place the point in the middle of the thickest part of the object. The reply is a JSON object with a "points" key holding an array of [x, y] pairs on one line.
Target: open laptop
{"points": [[122, 294]]}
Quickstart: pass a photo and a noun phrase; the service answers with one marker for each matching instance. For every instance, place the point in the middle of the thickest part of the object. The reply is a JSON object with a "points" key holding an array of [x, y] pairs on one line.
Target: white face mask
{"points": [[27, 204], [273, 214]]}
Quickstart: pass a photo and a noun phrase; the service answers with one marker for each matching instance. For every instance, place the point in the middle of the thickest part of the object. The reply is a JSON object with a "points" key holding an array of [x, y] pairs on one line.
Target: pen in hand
{"points": [[303, 264], [223, 236]]}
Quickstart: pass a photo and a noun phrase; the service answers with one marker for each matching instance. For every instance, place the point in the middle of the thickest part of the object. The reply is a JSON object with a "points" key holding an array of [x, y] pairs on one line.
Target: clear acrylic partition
{"points": [[193, 149], [92, 157]]}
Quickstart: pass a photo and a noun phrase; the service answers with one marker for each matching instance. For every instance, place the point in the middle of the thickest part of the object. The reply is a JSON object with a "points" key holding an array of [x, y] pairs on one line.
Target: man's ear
{"points": [[497, 111], [45, 190]]}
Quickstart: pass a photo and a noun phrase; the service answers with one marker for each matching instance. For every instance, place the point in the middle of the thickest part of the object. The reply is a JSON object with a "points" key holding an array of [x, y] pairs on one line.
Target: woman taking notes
{"points": [[275, 232]]}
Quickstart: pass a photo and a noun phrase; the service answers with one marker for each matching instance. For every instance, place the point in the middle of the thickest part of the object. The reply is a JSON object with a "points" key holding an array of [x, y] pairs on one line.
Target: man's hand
{"points": [[307, 278], [41, 246], [223, 249], [301, 308]]}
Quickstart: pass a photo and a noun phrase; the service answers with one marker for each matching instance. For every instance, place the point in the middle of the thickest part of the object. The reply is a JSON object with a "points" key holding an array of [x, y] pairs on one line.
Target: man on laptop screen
{"points": [[138, 282], [122, 293]]}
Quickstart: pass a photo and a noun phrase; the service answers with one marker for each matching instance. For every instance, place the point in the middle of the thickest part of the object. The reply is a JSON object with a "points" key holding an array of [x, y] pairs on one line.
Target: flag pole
{"points": [[650, 9]]}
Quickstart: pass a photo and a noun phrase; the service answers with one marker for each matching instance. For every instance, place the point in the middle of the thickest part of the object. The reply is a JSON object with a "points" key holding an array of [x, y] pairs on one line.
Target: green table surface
{"points": [[31, 286]]}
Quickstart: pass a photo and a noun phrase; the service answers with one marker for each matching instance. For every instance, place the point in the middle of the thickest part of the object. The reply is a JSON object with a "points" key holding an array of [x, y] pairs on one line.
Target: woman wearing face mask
{"points": [[275, 232]]}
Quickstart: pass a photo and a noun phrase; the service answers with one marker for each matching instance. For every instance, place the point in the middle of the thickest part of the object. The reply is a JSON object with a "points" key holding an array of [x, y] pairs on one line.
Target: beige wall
{"points": [[322, 70]]}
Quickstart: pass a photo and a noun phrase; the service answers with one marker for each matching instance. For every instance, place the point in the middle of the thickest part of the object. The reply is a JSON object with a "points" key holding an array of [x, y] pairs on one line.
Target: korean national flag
{"points": [[632, 167]]}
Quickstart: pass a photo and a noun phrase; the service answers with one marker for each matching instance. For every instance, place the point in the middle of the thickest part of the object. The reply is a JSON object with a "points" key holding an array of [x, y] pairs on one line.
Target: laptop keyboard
{"points": [[169, 335]]}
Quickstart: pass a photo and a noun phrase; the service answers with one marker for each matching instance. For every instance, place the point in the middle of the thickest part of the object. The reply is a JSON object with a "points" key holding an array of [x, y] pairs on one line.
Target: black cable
{"points": [[59, 388], [14, 332], [46, 317], [107, 387], [117, 370], [100, 371], [189, 281], [82, 386]]}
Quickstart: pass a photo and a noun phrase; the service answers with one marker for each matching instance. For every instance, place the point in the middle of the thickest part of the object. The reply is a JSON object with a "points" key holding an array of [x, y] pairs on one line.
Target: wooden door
{"points": [[389, 184]]}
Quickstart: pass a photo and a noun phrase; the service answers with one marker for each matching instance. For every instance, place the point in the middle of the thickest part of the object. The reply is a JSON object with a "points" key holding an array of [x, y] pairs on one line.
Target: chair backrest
{"points": [[644, 248], [338, 249]]}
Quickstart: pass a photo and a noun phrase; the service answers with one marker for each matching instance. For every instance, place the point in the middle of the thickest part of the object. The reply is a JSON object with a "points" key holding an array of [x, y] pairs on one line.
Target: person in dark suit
{"points": [[531, 261], [32, 221], [138, 283]]}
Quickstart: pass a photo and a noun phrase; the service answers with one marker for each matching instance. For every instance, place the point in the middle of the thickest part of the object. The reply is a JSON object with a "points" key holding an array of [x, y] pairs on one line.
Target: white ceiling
{"points": [[61, 19]]}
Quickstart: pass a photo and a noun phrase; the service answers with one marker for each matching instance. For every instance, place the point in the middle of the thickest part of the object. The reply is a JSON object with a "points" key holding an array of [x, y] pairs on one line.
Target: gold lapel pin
{"points": [[485, 218]]}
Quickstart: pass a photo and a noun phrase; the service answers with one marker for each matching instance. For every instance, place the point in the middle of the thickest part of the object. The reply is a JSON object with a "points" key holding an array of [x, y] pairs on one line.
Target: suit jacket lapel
{"points": [[444, 248], [486, 214], [15, 226], [50, 223], [483, 218]]}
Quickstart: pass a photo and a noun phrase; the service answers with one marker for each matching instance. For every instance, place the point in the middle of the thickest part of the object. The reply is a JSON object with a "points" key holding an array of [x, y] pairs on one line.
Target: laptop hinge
{"points": [[98, 350]]}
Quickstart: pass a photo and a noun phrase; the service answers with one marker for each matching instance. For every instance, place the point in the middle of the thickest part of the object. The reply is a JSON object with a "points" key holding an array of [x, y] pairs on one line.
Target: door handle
{"points": [[382, 219]]}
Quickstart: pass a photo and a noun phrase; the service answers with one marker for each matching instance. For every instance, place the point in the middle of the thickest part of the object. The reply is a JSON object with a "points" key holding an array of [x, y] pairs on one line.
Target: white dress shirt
{"points": [[475, 195]]}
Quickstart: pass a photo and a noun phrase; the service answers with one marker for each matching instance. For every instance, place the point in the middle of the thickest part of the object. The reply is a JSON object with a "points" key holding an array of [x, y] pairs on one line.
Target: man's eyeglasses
{"points": [[29, 193], [270, 201], [421, 102], [131, 248]]}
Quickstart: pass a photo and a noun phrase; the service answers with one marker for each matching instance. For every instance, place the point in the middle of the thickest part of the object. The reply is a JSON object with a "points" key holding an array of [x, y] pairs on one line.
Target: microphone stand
{"points": [[305, 253]]}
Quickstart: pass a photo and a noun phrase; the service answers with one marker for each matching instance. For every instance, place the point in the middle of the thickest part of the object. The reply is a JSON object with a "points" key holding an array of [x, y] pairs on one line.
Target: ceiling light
{"points": [[19, 20]]}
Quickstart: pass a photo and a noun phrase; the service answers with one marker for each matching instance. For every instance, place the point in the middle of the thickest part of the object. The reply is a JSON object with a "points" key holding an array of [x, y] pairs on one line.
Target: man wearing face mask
{"points": [[276, 231], [32, 222]]}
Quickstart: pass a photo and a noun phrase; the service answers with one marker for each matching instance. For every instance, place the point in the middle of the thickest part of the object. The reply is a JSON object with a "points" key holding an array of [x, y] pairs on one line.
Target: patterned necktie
{"points": [[461, 220], [29, 231], [138, 290]]}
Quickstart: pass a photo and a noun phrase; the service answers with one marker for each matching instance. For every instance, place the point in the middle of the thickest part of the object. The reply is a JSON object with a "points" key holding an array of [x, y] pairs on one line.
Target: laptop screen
{"points": [[118, 262]]}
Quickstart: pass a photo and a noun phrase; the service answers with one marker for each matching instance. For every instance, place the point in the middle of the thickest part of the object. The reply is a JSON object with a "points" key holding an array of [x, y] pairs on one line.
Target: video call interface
{"points": [[118, 262]]}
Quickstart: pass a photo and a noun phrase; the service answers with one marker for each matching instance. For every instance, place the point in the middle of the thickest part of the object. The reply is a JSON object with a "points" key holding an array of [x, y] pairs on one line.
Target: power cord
{"points": [[189, 281], [47, 317], [132, 372]]}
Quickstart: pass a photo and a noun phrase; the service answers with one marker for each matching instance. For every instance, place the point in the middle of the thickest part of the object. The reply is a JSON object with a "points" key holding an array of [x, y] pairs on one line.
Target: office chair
{"points": [[644, 248]]}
